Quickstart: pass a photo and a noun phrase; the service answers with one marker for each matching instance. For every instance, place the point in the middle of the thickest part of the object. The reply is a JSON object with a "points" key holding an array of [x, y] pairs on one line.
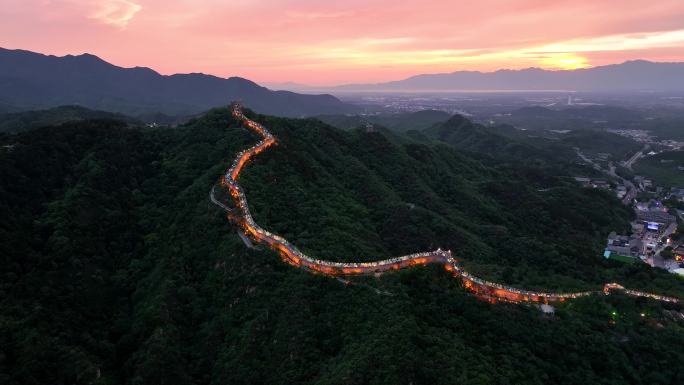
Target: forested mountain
{"points": [[596, 142], [635, 75], [505, 142], [30, 81], [401, 122], [21, 121], [116, 268], [502, 142]]}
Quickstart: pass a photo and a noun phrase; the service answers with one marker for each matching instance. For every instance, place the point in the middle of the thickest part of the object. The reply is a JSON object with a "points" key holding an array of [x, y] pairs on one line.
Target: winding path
{"points": [[490, 291]]}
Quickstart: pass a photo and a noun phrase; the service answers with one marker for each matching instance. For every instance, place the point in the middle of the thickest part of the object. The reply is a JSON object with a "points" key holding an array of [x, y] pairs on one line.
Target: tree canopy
{"points": [[116, 268]]}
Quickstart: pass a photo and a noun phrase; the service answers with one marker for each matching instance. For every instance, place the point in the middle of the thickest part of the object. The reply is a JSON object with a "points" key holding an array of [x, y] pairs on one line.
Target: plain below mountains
{"points": [[636, 75], [30, 81]]}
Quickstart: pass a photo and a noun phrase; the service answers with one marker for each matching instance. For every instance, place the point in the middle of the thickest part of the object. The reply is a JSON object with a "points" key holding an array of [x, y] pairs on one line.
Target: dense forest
{"points": [[401, 122], [117, 269], [543, 148], [26, 120]]}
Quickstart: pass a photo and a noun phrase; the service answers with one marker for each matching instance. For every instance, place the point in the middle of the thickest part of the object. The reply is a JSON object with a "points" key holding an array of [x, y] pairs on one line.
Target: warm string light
{"points": [[490, 291]]}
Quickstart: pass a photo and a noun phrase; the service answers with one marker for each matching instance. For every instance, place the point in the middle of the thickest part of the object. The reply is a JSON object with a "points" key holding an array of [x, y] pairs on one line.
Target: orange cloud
{"points": [[326, 42], [115, 12]]}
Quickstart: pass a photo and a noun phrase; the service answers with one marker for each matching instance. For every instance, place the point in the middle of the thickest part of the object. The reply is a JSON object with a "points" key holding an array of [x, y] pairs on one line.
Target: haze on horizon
{"points": [[323, 43]]}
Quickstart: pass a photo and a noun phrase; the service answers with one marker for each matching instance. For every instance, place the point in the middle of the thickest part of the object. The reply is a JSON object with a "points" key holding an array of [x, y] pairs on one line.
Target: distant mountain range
{"points": [[637, 75], [30, 80]]}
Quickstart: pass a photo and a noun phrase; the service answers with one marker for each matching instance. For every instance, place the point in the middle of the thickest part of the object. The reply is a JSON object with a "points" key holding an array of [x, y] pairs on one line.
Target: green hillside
{"points": [[399, 122], [116, 268], [26, 120], [506, 142], [596, 142], [663, 168]]}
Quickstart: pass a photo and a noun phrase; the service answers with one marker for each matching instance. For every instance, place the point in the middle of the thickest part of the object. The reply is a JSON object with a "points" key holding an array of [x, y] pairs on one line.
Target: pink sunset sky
{"points": [[330, 42]]}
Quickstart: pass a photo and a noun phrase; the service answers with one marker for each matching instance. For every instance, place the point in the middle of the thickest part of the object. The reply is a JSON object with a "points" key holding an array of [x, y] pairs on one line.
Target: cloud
{"points": [[326, 42], [631, 41], [316, 15], [115, 12]]}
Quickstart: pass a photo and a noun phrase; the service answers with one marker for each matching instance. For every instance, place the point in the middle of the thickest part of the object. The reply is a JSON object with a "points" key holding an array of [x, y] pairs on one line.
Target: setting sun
{"points": [[565, 62]]}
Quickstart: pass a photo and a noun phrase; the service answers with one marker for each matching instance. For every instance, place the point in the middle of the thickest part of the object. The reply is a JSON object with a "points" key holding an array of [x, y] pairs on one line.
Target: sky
{"points": [[325, 42]]}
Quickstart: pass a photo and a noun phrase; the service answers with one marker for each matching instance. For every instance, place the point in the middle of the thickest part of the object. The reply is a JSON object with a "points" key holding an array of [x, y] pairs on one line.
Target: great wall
{"points": [[487, 290]]}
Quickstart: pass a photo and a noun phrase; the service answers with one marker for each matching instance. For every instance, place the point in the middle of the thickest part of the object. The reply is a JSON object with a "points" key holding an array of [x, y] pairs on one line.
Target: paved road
{"points": [[631, 189], [658, 260], [216, 201], [635, 157]]}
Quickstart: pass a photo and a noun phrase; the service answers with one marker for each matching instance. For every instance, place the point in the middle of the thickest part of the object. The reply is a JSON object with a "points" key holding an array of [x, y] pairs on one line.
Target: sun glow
{"points": [[564, 61]]}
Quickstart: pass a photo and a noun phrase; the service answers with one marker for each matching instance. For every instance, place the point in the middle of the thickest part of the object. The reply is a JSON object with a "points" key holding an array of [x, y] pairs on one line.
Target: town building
{"points": [[679, 253], [677, 193], [623, 248], [601, 183], [642, 206], [655, 219]]}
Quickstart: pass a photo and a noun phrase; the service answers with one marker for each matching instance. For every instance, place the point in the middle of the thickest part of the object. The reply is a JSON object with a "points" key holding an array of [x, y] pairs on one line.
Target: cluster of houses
{"points": [[620, 189], [624, 248], [650, 234], [650, 231], [642, 183], [593, 183]]}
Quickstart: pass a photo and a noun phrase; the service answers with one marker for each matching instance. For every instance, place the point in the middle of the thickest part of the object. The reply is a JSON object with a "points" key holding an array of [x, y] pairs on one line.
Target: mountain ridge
{"points": [[32, 80], [13, 122], [632, 75]]}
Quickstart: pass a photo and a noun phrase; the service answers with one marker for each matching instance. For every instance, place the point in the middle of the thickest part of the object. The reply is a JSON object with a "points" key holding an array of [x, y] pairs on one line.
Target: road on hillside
{"points": [[631, 188], [629, 162]]}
